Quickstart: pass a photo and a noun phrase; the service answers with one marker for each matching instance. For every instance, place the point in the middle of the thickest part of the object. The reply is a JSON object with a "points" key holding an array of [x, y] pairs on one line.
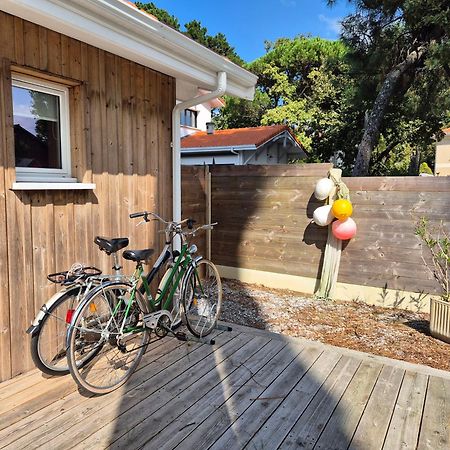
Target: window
{"points": [[189, 118], [41, 130]]}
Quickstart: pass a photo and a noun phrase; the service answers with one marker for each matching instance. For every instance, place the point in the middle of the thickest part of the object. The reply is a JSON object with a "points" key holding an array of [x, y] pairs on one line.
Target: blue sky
{"points": [[247, 24]]}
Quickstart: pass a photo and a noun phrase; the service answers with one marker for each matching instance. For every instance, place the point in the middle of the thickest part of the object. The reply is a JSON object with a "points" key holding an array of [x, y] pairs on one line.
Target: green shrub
{"points": [[437, 240]]}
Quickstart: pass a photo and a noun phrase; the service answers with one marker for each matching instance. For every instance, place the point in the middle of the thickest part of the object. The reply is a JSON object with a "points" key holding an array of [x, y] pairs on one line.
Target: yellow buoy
{"points": [[342, 209]]}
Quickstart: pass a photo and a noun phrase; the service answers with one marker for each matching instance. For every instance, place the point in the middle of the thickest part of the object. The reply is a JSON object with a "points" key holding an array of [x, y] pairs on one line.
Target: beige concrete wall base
{"points": [[388, 298]]}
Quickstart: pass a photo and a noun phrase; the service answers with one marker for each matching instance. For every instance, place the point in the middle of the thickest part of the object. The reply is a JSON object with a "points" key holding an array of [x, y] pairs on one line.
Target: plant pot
{"points": [[440, 319]]}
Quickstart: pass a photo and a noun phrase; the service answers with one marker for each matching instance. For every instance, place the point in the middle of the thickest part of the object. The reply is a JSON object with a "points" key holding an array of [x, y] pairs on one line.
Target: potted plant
{"points": [[437, 240]]}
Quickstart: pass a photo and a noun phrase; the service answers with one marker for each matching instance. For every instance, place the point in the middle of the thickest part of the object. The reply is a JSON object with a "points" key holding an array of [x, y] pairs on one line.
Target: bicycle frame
{"points": [[181, 264]]}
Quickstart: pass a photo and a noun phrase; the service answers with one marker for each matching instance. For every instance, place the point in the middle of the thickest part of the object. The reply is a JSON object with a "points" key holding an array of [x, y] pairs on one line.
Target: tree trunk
{"points": [[373, 122]]}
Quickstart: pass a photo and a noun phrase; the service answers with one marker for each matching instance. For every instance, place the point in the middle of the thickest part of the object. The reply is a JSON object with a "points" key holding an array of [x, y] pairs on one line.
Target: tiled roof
{"points": [[235, 136]]}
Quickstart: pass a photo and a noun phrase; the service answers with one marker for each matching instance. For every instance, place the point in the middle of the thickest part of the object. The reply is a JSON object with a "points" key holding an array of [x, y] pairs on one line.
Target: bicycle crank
{"points": [[159, 322]]}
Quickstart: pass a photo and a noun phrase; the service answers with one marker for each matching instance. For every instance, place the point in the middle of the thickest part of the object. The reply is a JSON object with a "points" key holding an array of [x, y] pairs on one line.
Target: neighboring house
{"points": [[442, 162], [195, 119], [275, 144], [88, 95]]}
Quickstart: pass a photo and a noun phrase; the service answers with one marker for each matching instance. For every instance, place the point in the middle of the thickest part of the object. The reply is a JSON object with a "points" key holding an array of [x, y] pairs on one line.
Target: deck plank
{"points": [[152, 424], [60, 406], [340, 428], [306, 431], [223, 412], [55, 422], [253, 389], [275, 429], [243, 429], [375, 420], [135, 407], [253, 376], [435, 427], [404, 428]]}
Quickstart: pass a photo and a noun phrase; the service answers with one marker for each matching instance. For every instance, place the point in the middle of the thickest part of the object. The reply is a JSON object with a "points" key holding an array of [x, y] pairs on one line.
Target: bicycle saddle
{"points": [[138, 255], [111, 245]]}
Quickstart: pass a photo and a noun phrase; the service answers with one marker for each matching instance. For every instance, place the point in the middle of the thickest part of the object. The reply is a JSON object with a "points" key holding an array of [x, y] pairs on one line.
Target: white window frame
{"points": [[42, 175]]}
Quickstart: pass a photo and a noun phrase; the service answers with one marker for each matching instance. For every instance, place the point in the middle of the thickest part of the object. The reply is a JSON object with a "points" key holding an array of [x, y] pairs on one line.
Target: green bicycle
{"points": [[114, 321]]}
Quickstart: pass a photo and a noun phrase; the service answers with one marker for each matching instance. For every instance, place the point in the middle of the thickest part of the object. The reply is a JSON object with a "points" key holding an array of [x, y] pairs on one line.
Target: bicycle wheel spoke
{"points": [[202, 299], [102, 358]]}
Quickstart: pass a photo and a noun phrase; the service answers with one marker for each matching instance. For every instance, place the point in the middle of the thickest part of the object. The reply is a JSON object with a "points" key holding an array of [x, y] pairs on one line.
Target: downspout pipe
{"points": [[176, 138]]}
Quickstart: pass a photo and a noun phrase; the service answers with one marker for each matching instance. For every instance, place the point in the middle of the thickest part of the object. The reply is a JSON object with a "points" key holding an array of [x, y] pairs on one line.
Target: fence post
{"points": [[332, 255], [208, 210]]}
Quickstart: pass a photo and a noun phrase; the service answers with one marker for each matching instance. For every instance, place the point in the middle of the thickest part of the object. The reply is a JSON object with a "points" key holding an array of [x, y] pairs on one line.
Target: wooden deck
{"points": [[252, 389]]}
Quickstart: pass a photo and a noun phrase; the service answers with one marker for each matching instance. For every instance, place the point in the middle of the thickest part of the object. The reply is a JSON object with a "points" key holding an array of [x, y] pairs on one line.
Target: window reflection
{"points": [[36, 129]]}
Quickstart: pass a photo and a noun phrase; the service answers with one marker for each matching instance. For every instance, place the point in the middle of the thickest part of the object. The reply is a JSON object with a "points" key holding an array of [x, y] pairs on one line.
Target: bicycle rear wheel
{"points": [[96, 331], [202, 298], [48, 344]]}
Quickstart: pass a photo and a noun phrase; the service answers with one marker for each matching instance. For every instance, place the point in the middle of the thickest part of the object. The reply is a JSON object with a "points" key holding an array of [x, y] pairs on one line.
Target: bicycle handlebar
{"points": [[189, 221]]}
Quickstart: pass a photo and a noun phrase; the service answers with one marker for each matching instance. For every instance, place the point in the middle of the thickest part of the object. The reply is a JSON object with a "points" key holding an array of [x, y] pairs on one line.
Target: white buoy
{"points": [[323, 188], [323, 216]]}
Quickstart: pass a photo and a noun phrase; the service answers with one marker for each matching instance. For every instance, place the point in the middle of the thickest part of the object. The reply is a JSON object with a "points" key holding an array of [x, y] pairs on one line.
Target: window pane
{"points": [[36, 129], [189, 118]]}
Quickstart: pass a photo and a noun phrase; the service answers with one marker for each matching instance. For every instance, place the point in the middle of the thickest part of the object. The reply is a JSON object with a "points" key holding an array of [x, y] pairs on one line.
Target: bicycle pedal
{"points": [[180, 336]]}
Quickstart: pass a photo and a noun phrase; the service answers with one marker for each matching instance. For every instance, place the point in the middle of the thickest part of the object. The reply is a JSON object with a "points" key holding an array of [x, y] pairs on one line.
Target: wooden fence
{"points": [[196, 204], [265, 212]]}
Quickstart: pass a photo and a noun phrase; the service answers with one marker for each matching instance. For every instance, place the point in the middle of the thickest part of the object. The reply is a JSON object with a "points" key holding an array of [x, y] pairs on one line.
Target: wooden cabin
{"points": [[87, 91]]}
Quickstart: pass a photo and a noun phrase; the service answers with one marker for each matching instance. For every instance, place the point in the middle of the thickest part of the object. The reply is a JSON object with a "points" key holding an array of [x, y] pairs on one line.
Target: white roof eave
{"points": [[218, 149], [119, 28]]}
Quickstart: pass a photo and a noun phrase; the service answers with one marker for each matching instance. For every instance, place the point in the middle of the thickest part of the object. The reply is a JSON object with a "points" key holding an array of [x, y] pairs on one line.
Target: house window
{"points": [[189, 118], [41, 130]]}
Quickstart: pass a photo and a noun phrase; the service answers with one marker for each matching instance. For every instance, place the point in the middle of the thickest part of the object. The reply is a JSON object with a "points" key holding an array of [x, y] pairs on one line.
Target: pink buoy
{"points": [[344, 229]]}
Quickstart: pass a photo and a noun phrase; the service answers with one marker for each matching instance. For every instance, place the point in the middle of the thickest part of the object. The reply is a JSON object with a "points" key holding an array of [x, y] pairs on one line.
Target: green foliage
{"points": [[381, 35], [161, 14], [239, 113], [217, 43], [323, 89], [195, 31], [425, 168], [437, 240], [302, 82]]}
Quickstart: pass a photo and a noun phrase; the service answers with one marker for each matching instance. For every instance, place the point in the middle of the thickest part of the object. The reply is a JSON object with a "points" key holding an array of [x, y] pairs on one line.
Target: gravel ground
{"points": [[394, 333]]}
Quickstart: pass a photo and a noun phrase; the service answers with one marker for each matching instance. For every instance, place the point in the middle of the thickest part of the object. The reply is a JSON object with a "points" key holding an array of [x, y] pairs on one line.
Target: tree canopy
{"points": [[195, 30], [400, 50], [373, 101]]}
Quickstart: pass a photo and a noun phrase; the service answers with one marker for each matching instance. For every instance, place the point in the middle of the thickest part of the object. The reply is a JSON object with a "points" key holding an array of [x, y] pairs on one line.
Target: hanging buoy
{"points": [[342, 209], [344, 229], [323, 216], [323, 188]]}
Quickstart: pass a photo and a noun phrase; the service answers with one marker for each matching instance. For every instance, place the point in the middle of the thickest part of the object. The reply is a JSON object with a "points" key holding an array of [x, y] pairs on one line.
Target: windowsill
{"points": [[42, 186]]}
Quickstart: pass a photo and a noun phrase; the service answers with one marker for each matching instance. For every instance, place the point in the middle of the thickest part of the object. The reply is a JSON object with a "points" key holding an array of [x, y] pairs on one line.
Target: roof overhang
{"points": [[119, 28], [233, 148]]}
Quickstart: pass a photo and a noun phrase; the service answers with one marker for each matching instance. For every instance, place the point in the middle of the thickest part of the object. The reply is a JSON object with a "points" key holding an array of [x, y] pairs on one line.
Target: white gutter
{"points": [[176, 138], [118, 27]]}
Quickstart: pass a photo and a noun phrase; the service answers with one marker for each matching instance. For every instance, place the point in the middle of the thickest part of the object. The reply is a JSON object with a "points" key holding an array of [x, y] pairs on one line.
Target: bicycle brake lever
{"points": [[142, 222]]}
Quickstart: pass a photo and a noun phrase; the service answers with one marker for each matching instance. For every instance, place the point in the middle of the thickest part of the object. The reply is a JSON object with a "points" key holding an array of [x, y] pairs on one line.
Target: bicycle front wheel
{"points": [[107, 338], [202, 298]]}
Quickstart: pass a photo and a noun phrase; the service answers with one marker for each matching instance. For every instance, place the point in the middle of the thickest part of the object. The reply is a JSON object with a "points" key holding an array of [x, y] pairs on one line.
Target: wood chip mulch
{"points": [[394, 333]]}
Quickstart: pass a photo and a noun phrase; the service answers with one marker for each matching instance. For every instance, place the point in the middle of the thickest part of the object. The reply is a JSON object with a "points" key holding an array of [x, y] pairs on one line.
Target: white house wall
{"points": [[442, 164], [204, 116]]}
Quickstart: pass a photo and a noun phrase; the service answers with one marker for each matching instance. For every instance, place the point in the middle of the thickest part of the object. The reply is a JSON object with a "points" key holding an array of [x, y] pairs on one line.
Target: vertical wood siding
{"points": [[120, 115]]}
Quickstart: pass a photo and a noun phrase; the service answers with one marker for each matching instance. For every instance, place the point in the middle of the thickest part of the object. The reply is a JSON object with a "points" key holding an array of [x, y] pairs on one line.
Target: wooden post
{"points": [[332, 256], [208, 210]]}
